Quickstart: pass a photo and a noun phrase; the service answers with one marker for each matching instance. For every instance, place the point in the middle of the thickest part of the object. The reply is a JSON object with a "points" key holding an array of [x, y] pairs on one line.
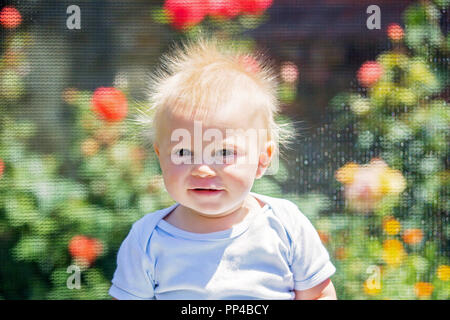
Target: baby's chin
{"points": [[210, 210]]}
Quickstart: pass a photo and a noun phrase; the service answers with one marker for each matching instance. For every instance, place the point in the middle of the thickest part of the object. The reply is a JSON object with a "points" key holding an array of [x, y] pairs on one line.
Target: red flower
{"points": [[2, 167], [224, 8], [10, 17], [87, 249], [255, 6], [110, 104], [369, 73], [185, 13], [395, 32]]}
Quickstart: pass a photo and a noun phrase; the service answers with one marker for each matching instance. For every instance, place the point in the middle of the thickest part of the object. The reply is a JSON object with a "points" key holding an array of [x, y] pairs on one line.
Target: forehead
{"points": [[228, 123], [238, 131]]}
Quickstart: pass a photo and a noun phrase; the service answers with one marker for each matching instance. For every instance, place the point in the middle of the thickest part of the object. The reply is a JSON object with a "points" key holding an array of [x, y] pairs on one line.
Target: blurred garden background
{"points": [[370, 167]]}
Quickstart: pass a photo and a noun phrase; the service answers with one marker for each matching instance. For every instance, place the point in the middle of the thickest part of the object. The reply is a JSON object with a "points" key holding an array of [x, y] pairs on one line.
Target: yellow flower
{"points": [[391, 226], [392, 182], [423, 289], [390, 60], [406, 96], [381, 90], [443, 273], [371, 289], [346, 173], [393, 252]]}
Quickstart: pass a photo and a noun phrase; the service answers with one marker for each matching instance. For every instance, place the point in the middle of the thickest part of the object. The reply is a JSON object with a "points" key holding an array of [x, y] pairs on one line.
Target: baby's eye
{"points": [[226, 152], [183, 152]]}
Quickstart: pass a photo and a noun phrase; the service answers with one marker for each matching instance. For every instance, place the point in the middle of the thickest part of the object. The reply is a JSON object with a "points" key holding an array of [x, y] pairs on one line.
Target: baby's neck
{"points": [[186, 219]]}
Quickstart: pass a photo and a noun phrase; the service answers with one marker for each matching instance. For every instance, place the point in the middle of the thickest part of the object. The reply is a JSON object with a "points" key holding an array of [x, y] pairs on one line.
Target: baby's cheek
{"points": [[241, 175], [172, 174], [168, 167]]}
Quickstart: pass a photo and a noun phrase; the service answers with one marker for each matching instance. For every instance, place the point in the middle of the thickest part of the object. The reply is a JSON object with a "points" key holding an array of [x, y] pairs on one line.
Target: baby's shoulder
{"points": [[143, 228], [288, 214], [285, 209]]}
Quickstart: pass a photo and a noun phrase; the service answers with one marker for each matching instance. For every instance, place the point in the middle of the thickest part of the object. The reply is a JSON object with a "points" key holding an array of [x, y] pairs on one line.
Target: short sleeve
{"points": [[132, 279], [311, 263]]}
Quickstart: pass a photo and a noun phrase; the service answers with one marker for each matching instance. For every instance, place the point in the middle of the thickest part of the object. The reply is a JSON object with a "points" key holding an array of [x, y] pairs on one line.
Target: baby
{"points": [[219, 240]]}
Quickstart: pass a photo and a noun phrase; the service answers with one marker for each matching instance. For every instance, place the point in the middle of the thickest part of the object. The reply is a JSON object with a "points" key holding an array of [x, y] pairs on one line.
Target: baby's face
{"points": [[212, 155]]}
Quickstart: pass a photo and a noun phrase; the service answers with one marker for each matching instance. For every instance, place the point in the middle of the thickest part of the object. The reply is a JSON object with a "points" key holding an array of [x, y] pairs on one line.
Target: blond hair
{"points": [[204, 77]]}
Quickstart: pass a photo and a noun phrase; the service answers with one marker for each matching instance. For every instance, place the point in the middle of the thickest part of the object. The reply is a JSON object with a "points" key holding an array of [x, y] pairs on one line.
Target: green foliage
{"points": [[403, 120], [116, 180], [113, 179]]}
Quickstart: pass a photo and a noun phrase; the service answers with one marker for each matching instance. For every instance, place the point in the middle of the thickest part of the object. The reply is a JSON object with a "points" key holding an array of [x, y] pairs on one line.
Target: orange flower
{"points": [[391, 226], [443, 273], [393, 252], [323, 236], [423, 289], [412, 236], [346, 173]]}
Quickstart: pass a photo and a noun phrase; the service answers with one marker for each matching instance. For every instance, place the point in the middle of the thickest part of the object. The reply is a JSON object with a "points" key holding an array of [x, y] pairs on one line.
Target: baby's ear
{"points": [[265, 158]]}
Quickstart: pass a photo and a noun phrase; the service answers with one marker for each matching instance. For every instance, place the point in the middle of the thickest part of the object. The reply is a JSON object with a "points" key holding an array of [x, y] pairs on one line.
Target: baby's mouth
{"points": [[206, 191]]}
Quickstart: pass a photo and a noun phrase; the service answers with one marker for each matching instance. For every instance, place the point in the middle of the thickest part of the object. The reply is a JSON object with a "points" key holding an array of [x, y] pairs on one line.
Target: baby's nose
{"points": [[203, 170]]}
